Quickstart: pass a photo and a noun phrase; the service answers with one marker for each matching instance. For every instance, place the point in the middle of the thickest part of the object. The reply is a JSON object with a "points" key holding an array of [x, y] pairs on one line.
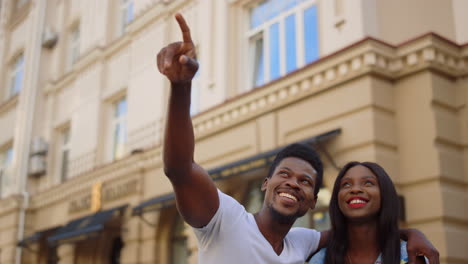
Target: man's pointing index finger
{"points": [[185, 29]]}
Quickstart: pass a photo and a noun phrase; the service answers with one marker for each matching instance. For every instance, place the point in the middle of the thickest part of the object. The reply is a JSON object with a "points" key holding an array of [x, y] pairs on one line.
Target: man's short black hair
{"points": [[303, 152]]}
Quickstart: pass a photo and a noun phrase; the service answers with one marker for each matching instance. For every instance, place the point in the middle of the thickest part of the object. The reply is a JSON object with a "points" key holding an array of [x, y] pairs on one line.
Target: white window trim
{"points": [[264, 30]]}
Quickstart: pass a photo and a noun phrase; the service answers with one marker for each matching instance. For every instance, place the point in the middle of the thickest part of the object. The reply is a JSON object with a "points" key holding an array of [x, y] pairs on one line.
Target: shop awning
{"points": [[36, 237], [154, 204], [249, 164], [85, 227]]}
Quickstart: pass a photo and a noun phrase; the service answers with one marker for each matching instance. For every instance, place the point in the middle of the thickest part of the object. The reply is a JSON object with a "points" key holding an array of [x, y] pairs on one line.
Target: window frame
{"points": [[263, 31]]}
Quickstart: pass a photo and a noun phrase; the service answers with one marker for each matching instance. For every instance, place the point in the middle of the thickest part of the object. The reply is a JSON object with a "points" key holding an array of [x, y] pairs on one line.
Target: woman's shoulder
{"points": [[319, 257]]}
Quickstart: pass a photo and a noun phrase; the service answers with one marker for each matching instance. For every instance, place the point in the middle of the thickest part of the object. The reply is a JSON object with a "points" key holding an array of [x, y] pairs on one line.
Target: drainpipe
{"points": [[27, 103]]}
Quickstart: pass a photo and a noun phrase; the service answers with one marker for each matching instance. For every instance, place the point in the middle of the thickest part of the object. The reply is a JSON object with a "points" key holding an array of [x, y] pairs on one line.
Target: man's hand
{"points": [[419, 245], [178, 60]]}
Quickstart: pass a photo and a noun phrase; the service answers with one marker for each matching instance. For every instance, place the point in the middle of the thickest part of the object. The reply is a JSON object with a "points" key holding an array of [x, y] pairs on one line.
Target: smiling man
{"points": [[226, 232]]}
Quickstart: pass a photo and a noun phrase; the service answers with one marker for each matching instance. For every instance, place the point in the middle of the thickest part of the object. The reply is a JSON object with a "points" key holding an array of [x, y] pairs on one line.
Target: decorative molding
{"points": [[9, 104], [18, 15]]}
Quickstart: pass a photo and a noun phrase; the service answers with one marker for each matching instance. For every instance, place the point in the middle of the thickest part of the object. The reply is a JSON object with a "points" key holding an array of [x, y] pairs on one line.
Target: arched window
{"points": [[179, 247]]}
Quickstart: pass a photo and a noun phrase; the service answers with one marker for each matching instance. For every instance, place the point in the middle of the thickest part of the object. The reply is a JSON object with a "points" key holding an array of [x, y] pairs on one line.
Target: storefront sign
{"points": [[118, 191], [101, 193], [80, 204]]}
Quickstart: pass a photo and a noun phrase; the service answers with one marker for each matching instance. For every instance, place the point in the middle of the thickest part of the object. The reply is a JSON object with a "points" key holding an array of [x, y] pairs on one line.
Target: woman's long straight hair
{"points": [[387, 227]]}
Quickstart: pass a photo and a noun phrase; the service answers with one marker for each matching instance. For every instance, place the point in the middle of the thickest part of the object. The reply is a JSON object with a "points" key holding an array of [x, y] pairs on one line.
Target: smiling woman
{"points": [[364, 215]]}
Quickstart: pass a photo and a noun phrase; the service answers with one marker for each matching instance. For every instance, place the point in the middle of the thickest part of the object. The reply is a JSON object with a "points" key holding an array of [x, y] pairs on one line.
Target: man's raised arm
{"points": [[196, 195]]}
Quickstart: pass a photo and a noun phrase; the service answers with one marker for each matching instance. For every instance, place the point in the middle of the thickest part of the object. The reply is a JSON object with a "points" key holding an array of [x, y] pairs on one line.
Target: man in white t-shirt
{"points": [[226, 232]]}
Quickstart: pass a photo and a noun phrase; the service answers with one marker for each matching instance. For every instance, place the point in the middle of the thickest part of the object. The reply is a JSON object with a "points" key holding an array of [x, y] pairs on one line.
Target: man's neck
{"points": [[273, 231]]}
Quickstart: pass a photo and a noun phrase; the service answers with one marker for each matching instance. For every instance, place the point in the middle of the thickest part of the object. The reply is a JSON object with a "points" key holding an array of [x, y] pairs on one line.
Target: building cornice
{"points": [[368, 56]]}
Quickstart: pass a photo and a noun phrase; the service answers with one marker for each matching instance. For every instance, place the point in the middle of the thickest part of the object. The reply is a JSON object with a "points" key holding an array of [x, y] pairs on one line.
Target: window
{"points": [[125, 15], [6, 162], [283, 36], [16, 76], [74, 47], [64, 154], [179, 247], [119, 128]]}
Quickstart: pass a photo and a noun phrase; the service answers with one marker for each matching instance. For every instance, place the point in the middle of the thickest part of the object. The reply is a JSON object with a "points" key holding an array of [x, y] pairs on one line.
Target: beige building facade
{"points": [[82, 112]]}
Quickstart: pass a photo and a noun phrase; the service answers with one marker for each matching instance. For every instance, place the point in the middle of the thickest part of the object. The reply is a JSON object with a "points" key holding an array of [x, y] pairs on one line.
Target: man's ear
{"points": [[264, 184]]}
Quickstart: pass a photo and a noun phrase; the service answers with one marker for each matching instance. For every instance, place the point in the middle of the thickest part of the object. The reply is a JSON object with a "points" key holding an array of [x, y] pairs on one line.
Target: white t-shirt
{"points": [[232, 236]]}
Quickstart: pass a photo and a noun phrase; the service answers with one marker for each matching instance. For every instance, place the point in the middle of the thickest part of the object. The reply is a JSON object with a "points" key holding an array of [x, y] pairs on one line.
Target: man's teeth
{"points": [[287, 195], [357, 201]]}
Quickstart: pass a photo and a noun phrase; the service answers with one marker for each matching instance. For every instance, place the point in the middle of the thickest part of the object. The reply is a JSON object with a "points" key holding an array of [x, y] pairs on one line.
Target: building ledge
{"points": [[9, 104]]}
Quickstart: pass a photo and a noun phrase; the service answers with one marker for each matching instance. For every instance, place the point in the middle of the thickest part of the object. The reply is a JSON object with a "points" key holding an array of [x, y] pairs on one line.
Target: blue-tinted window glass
{"points": [[17, 80], [120, 138], [274, 52], [270, 9], [8, 158], [257, 15], [290, 28], [121, 108], [311, 34], [129, 12], [274, 8], [291, 3], [259, 67]]}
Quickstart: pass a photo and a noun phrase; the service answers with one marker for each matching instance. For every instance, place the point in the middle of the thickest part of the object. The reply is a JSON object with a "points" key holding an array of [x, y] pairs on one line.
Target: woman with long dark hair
{"points": [[364, 210]]}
